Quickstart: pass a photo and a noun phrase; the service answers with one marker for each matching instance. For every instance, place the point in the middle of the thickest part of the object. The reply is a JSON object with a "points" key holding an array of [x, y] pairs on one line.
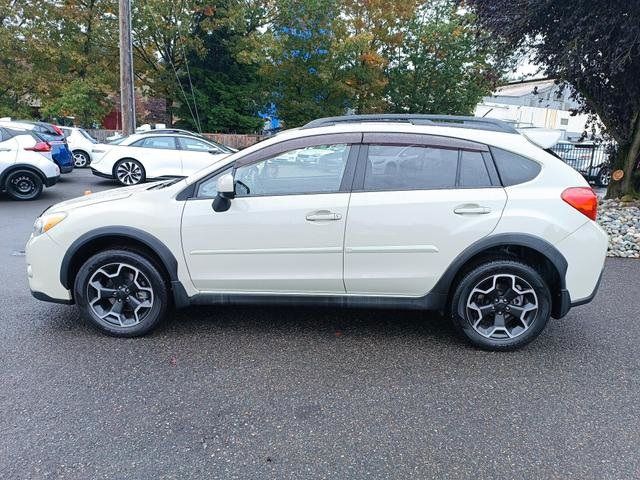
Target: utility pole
{"points": [[127, 95]]}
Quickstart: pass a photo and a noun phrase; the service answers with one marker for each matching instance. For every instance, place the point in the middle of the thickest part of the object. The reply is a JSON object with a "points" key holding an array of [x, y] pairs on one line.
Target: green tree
{"points": [[222, 93], [440, 66], [163, 37], [82, 99], [300, 66], [47, 45], [594, 46]]}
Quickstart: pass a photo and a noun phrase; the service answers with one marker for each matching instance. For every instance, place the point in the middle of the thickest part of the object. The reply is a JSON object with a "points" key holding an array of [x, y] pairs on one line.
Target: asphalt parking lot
{"points": [[310, 393]]}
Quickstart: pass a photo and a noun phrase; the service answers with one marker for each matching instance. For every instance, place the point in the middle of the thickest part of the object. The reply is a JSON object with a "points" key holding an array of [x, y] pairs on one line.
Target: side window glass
{"points": [[317, 169], [514, 168], [195, 145], [473, 171], [410, 168], [209, 188], [165, 143]]}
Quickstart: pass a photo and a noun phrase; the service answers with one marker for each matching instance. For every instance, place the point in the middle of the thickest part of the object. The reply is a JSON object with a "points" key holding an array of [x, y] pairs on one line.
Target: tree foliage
{"points": [[222, 93], [163, 37], [49, 47], [216, 64], [593, 45], [326, 57]]}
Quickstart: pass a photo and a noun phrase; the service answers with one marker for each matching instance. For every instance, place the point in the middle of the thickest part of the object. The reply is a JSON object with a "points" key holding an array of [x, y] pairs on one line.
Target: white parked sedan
{"points": [[142, 157]]}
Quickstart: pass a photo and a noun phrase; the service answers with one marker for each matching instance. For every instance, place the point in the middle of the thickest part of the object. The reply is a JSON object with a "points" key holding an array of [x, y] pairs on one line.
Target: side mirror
{"points": [[214, 152], [226, 191]]}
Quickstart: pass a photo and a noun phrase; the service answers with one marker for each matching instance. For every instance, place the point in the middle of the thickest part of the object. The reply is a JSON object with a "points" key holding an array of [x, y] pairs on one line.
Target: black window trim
{"points": [[352, 139], [353, 176], [358, 184]]}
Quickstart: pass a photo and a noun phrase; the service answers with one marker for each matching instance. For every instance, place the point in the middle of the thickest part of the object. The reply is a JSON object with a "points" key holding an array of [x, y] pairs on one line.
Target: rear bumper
{"points": [[585, 251], [584, 301], [66, 168], [51, 181], [100, 174]]}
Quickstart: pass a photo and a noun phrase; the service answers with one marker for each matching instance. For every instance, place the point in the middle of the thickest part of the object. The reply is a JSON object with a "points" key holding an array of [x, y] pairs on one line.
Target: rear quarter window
{"points": [[513, 168]]}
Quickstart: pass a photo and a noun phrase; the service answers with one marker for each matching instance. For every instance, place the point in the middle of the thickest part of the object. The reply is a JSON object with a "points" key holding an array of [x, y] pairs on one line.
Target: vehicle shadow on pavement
{"points": [[312, 321]]}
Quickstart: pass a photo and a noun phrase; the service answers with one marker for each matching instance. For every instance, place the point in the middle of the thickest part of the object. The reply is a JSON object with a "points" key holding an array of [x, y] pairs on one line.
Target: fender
{"points": [[519, 239], [24, 166], [166, 257]]}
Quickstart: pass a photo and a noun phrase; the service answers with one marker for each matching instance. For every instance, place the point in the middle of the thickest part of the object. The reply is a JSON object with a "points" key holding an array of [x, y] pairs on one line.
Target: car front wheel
{"points": [[129, 172], [501, 305], [121, 292]]}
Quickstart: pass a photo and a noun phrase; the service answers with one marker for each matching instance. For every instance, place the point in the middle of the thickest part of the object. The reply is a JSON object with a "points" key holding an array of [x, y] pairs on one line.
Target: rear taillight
{"points": [[58, 130], [40, 147], [582, 199]]}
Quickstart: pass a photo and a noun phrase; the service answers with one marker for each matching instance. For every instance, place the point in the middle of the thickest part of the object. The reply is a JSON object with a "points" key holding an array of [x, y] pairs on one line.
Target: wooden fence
{"points": [[234, 140]]}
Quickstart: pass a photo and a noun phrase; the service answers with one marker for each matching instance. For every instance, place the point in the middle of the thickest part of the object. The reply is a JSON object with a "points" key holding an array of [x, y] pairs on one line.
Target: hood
{"points": [[99, 197]]}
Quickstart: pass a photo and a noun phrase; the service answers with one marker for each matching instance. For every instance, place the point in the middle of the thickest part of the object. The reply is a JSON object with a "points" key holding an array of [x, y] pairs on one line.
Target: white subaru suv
{"points": [[456, 214]]}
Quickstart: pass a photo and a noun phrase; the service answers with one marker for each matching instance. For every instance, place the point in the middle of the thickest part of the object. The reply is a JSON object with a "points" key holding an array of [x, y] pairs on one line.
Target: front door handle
{"points": [[323, 216], [471, 209]]}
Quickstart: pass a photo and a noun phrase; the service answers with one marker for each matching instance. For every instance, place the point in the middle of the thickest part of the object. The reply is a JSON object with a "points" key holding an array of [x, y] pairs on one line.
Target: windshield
{"points": [[86, 135], [117, 141]]}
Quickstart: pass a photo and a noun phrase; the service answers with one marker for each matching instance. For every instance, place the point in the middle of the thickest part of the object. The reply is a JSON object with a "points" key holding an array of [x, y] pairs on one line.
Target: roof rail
{"points": [[419, 119]]}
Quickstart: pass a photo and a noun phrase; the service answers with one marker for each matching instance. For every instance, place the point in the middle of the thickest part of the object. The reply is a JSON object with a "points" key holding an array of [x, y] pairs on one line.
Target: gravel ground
{"points": [[622, 222]]}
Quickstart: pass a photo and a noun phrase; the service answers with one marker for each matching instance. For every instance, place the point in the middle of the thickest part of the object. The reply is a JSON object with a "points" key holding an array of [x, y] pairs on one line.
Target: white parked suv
{"points": [[145, 156], [26, 165], [473, 219]]}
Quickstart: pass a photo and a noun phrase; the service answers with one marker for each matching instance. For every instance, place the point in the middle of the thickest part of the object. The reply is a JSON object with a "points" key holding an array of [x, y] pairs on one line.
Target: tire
{"points": [[81, 159], [23, 185], [129, 172], [486, 312], [604, 177], [133, 297]]}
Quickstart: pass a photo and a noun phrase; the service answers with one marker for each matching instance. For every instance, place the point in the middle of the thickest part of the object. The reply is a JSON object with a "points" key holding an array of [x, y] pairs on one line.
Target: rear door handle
{"points": [[5, 149], [471, 209], [323, 216]]}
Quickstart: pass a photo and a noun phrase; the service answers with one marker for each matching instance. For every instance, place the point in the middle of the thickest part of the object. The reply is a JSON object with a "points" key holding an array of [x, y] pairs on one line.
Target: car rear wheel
{"points": [[23, 185], [121, 292], [604, 177], [501, 305], [129, 172], [81, 159]]}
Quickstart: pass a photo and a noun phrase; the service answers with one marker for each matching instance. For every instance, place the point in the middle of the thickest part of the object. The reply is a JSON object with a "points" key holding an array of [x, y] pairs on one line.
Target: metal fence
{"points": [[588, 158]]}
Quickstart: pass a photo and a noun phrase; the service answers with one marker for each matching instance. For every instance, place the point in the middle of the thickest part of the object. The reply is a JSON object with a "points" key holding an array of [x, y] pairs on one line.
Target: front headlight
{"points": [[46, 222]]}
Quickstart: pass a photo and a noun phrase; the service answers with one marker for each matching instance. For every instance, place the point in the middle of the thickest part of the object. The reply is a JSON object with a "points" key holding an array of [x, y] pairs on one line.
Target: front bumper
{"points": [[44, 260], [66, 168], [100, 174]]}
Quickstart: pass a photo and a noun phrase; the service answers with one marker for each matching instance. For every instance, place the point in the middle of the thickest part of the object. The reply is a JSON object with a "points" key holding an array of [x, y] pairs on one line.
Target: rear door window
{"points": [[407, 167], [473, 171]]}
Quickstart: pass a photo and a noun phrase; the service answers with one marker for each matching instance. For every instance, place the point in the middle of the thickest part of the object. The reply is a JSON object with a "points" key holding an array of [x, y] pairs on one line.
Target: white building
{"points": [[535, 103]]}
